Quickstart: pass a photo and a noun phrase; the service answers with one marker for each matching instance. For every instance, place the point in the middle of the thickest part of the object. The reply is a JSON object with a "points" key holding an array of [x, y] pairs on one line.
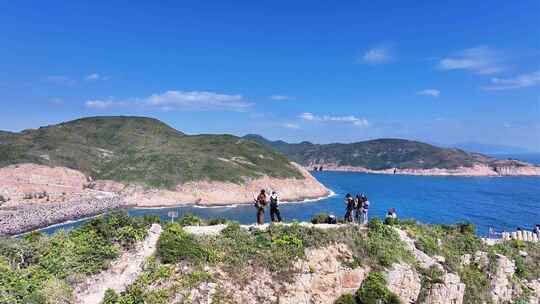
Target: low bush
{"points": [[346, 299], [320, 218], [382, 247], [176, 245], [375, 291]]}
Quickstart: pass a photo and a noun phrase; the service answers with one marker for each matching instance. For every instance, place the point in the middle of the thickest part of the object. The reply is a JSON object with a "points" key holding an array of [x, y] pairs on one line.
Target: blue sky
{"points": [[292, 70]]}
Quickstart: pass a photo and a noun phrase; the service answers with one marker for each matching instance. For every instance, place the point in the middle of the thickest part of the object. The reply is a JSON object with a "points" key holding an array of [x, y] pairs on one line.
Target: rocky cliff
{"points": [[336, 265]]}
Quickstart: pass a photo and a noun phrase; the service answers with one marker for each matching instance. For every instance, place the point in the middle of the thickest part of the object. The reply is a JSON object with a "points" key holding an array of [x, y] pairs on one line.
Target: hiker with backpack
{"points": [[349, 205], [275, 215], [260, 203]]}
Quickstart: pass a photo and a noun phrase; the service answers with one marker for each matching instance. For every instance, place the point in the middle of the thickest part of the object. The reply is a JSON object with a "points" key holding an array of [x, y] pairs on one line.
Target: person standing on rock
{"points": [[349, 203], [260, 203], [365, 209], [275, 215]]}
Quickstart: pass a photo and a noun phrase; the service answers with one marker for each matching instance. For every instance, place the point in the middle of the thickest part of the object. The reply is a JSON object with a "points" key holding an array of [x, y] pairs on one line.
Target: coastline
{"points": [[477, 170]]}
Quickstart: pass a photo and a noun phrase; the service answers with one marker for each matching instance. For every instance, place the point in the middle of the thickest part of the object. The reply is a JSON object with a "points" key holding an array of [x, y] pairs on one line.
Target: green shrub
{"points": [[476, 285], [382, 247], [374, 290], [466, 228], [346, 299], [191, 220], [111, 297], [320, 218], [175, 245]]}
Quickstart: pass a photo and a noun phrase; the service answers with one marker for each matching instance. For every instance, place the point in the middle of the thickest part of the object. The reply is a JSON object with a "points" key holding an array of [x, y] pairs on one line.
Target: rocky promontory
{"points": [[34, 196]]}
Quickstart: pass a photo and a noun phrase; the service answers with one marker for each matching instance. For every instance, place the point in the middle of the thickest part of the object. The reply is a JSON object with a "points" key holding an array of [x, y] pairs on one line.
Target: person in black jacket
{"points": [[349, 203], [274, 207]]}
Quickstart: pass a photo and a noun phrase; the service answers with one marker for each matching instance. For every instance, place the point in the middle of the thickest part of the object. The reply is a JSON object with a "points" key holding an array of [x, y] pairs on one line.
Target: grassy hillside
{"points": [[376, 154], [144, 150]]}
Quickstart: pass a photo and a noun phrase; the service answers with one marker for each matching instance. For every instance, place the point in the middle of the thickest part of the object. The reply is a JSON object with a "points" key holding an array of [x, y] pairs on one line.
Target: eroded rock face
{"points": [[405, 282], [29, 183], [215, 193], [319, 278], [502, 289], [451, 291]]}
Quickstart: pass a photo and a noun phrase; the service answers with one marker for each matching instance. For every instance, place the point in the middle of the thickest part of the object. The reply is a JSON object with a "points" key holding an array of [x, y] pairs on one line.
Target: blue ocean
{"points": [[502, 203]]}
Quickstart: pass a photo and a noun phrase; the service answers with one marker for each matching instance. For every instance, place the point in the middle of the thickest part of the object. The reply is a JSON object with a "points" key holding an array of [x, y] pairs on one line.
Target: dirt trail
{"points": [[122, 272]]}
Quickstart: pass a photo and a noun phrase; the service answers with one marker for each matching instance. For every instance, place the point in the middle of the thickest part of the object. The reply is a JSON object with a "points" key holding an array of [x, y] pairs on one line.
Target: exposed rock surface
{"points": [[404, 281], [121, 273], [319, 278], [451, 291], [220, 193], [501, 289]]}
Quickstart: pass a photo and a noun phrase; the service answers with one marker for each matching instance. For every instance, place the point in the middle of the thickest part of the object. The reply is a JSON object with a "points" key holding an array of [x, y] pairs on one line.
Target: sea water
{"points": [[502, 203]]}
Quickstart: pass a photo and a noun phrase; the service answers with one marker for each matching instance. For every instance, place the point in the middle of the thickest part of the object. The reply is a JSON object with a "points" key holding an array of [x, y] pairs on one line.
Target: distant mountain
{"points": [[378, 154], [143, 150], [491, 149]]}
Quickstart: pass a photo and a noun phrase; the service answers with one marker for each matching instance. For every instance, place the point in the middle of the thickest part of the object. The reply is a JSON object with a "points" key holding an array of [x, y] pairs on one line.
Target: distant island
{"points": [[396, 156]]}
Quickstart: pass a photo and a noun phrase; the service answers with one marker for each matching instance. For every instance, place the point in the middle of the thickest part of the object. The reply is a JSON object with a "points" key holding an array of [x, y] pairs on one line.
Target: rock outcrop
{"points": [[450, 291], [502, 289], [404, 281], [319, 278]]}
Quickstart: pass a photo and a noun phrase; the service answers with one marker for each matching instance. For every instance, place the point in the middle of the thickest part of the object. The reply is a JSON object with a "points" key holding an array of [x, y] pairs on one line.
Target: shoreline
{"points": [[31, 227], [215, 206], [474, 171]]}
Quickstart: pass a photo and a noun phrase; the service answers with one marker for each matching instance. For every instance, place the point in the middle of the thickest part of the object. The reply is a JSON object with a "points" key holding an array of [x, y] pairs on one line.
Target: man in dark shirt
{"points": [[260, 203]]}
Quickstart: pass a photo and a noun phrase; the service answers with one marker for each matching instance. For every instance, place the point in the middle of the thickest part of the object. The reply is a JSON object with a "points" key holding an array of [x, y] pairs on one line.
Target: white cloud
{"points": [[307, 116], [520, 81], [59, 80], [362, 122], [480, 60], [290, 126], [281, 97], [378, 55], [429, 92], [103, 104], [96, 77], [180, 100]]}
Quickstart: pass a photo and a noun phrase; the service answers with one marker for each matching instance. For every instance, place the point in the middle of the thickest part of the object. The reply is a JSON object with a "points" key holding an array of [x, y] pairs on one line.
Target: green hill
{"points": [[142, 150], [376, 154]]}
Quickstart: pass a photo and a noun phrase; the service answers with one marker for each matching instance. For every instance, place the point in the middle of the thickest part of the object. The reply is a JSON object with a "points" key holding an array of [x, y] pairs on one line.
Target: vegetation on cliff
{"points": [[43, 269], [39, 269], [142, 150], [378, 154]]}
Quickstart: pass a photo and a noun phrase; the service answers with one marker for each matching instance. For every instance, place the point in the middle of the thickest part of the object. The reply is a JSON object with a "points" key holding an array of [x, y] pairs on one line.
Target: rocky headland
{"points": [[34, 196]]}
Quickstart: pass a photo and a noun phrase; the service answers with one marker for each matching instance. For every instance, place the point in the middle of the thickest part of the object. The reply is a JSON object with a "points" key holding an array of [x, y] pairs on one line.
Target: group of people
{"points": [[356, 208], [358, 205], [260, 203]]}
